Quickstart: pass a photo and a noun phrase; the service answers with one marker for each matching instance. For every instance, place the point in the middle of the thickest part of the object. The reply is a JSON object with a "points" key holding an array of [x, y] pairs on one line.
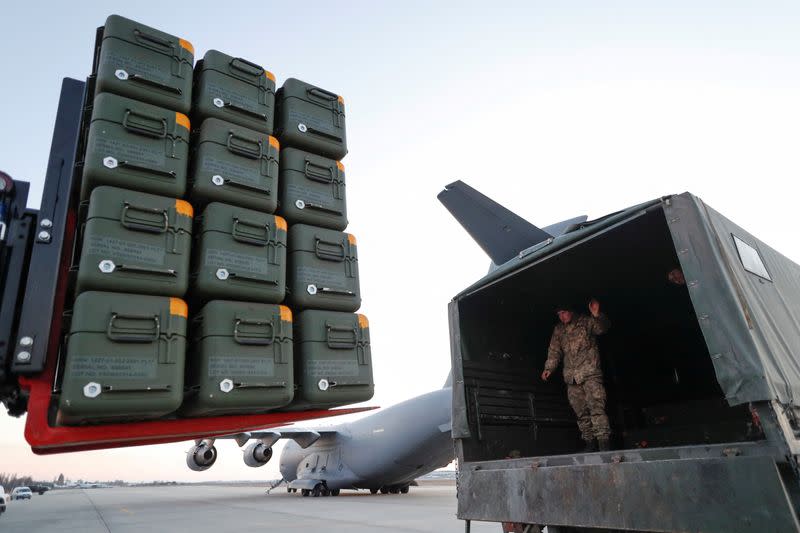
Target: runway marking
{"points": [[124, 510]]}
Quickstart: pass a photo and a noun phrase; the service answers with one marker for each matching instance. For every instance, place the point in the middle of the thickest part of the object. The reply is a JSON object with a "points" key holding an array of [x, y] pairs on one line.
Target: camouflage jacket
{"points": [[576, 343]]}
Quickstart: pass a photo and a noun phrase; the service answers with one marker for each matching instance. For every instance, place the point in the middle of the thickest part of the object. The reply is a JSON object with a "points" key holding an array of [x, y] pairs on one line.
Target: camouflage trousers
{"points": [[588, 400]]}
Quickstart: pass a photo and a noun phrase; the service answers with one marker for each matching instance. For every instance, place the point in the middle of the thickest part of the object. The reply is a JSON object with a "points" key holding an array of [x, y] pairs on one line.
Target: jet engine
{"points": [[257, 454], [201, 456]]}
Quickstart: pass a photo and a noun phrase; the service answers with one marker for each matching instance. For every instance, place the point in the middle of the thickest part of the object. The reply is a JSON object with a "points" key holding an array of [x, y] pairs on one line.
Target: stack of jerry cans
{"points": [[333, 364], [126, 349], [125, 358], [235, 165], [240, 254], [241, 359]]}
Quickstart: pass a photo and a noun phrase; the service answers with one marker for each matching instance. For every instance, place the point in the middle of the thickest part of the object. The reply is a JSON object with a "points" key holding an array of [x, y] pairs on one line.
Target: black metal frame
{"points": [[39, 304]]}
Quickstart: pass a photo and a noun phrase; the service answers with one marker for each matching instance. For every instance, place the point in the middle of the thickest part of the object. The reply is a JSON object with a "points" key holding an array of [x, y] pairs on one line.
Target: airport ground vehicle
{"points": [[702, 378], [39, 489], [2, 500], [21, 493]]}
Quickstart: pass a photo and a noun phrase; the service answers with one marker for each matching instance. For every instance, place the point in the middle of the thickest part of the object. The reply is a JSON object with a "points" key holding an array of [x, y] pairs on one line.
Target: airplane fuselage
{"points": [[390, 448]]}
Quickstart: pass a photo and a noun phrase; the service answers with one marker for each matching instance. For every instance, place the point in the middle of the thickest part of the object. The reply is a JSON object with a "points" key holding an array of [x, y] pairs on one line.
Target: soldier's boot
{"points": [[604, 444], [591, 446]]}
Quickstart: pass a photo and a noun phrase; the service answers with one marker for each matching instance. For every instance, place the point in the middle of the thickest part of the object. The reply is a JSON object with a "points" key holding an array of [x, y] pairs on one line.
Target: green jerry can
{"points": [[312, 190], [135, 242], [239, 254], [240, 360], [322, 269], [125, 358], [234, 90], [234, 165], [136, 146], [333, 362], [311, 118], [145, 64]]}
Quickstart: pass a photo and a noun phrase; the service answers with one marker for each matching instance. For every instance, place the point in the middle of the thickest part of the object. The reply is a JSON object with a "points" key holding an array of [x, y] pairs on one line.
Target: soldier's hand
{"points": [[594, 307], [545, 375]]}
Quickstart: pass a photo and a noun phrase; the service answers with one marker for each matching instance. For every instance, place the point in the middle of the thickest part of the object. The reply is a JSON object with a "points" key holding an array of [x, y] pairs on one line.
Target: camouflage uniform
{"points": [[576, 342]]}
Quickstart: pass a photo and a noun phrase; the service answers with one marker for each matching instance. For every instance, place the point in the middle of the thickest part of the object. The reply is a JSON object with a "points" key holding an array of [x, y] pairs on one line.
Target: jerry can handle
{"points": [[154, 41], [260, 341], [148, 270], [324, 209], [243, 150], [136, 388], [147, 170], [144, 129], [322, 94], [155, 84], [325, 134], [248, 67], [244, 110], [139, 225], [322, 177], [341, 343], [133, 337], [241, 236], [327, 254], [252, 279], [338, 292], [247, 186], [276, 385]]}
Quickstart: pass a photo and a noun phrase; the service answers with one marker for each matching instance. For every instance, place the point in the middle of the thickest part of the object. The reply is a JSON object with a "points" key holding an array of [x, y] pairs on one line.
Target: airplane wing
{"points": [[303, 437]]}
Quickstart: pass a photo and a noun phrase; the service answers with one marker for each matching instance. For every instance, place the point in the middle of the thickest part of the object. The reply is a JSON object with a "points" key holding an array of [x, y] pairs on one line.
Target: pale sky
{"points": [[553, 109]]}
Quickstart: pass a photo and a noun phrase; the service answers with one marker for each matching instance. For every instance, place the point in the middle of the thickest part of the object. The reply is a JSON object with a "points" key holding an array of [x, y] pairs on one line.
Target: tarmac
{"points": [[220, 508]]}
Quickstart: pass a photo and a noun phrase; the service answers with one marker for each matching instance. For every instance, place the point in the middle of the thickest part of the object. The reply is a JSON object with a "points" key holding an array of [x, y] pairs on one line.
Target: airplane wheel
{"points": [[373, 491], [404, 490], [334, 492], [384, 490], [305, 492], [288, 490], [326, 491], [317, 490], [394, 490]]}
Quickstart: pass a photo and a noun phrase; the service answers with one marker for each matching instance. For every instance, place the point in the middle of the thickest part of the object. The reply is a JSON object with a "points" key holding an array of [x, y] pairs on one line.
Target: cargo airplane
{"points": [[385, 451]]}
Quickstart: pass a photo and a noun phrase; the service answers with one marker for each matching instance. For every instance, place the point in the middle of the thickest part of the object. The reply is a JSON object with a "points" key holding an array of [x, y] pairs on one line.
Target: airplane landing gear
{"points": [[373, 491], [384, 490], [305, 492], [317, 490], [334, 492], [404, 490]]}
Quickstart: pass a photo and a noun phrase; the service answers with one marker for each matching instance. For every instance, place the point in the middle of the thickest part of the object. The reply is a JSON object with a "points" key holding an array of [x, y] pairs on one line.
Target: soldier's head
{"points": [[675, 276], [565, 311]]}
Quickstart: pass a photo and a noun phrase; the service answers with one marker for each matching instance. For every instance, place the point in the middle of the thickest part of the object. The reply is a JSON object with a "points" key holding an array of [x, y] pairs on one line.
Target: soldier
{"points": [[574, 339]]}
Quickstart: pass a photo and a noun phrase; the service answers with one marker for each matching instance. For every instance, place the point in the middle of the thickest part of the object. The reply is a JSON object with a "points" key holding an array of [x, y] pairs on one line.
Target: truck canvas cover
{"points": [[745, 294]]}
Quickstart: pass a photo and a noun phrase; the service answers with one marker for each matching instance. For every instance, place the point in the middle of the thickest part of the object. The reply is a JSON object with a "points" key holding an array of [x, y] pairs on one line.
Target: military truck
{"points": [[702, 371]]}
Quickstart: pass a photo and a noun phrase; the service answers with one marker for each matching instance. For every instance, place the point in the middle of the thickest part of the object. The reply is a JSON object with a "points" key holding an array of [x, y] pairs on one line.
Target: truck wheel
{"points": [[373, 491], [305, 492]]}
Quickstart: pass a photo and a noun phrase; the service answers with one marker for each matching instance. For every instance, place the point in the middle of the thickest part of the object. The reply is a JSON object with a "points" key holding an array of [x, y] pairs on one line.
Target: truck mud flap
{"points": [[724, 495]]}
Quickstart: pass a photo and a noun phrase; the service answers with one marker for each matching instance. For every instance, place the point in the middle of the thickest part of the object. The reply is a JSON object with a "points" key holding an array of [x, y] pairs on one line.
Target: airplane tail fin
{"points": [[449, 381], [499, 232]]}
